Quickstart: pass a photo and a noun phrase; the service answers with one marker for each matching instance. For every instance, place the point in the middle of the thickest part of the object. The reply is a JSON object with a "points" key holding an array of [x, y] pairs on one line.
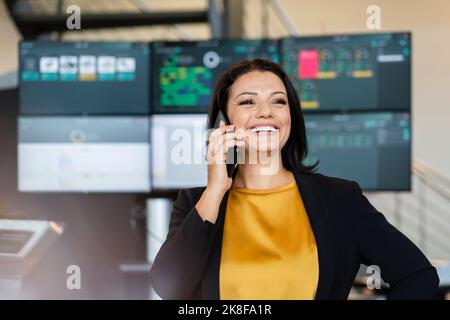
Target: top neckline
{"points": [[264, 191]]}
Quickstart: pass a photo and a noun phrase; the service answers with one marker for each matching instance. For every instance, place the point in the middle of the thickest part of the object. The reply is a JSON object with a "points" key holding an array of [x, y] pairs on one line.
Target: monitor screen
{"points": [[84, 154], [373, 149], [350, 72], [178, 148], [80, 78], [185, 73]]}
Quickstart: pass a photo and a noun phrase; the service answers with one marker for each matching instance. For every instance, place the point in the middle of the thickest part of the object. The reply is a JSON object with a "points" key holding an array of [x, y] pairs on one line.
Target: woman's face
{"points": [[258, 106]]}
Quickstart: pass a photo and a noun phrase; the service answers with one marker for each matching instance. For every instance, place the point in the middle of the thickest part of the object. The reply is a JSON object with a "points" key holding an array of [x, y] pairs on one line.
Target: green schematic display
{"points": [[184, 86], [187, 72]]}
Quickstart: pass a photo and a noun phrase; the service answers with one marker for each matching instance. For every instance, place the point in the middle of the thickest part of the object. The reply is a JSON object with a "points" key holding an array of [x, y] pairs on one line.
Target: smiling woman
{"points": [[277, 230]]}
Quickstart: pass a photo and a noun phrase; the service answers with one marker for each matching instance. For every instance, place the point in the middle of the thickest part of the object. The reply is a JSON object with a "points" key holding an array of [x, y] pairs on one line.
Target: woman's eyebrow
{"points": [[277, 92], [255, 94], [246, 92]]}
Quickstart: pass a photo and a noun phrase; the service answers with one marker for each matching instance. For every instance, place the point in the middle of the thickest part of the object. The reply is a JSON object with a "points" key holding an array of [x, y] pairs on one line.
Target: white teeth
{"points": [[263, 129]]}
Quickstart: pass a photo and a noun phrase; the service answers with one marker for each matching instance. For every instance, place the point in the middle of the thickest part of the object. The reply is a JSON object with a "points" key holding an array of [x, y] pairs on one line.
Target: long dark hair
{"points": [[296, 147]]}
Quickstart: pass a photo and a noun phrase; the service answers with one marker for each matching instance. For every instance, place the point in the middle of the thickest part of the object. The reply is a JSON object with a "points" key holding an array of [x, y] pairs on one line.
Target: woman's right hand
{"points": [[220, 140]]}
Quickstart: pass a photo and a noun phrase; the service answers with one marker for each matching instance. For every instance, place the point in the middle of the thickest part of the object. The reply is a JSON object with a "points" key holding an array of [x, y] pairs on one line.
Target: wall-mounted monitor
{"points": [[350, 72], [178, 149], [84, 154], [373, 149], [185, 73], [84, 78]]}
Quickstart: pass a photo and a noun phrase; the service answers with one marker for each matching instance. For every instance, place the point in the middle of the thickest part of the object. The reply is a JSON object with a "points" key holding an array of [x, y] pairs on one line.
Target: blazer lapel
{"points": [[315, 205], [210, 283]]}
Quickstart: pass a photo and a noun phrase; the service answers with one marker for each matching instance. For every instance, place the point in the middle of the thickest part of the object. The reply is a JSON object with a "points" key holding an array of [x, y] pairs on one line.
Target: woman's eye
{"points": [[244, 102], [280, 101]]}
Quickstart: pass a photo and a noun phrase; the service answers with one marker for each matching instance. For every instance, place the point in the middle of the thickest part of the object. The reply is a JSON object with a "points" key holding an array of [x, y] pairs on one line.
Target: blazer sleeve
{"points": [[180, 263], [406, 269]]}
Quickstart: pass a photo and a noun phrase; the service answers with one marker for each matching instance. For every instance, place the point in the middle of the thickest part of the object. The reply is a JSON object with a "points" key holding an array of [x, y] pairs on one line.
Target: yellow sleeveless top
{"points": [[268, 247]]}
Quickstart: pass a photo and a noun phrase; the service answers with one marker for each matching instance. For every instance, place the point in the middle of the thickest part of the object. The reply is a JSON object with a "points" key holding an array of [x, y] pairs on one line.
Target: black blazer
{"points": [[347, 228]]}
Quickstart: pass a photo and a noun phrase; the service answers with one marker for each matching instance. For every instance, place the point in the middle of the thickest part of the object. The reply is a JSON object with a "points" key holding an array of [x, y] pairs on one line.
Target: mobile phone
{"points": [[231, 154]]}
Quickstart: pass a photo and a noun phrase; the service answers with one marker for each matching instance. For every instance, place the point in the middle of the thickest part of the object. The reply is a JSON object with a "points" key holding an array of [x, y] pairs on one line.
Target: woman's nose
{"points": [[264, 110]]}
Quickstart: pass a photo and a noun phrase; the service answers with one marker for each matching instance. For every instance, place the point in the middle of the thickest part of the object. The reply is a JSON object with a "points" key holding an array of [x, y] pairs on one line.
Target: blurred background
{"points": [[96, 97]]}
